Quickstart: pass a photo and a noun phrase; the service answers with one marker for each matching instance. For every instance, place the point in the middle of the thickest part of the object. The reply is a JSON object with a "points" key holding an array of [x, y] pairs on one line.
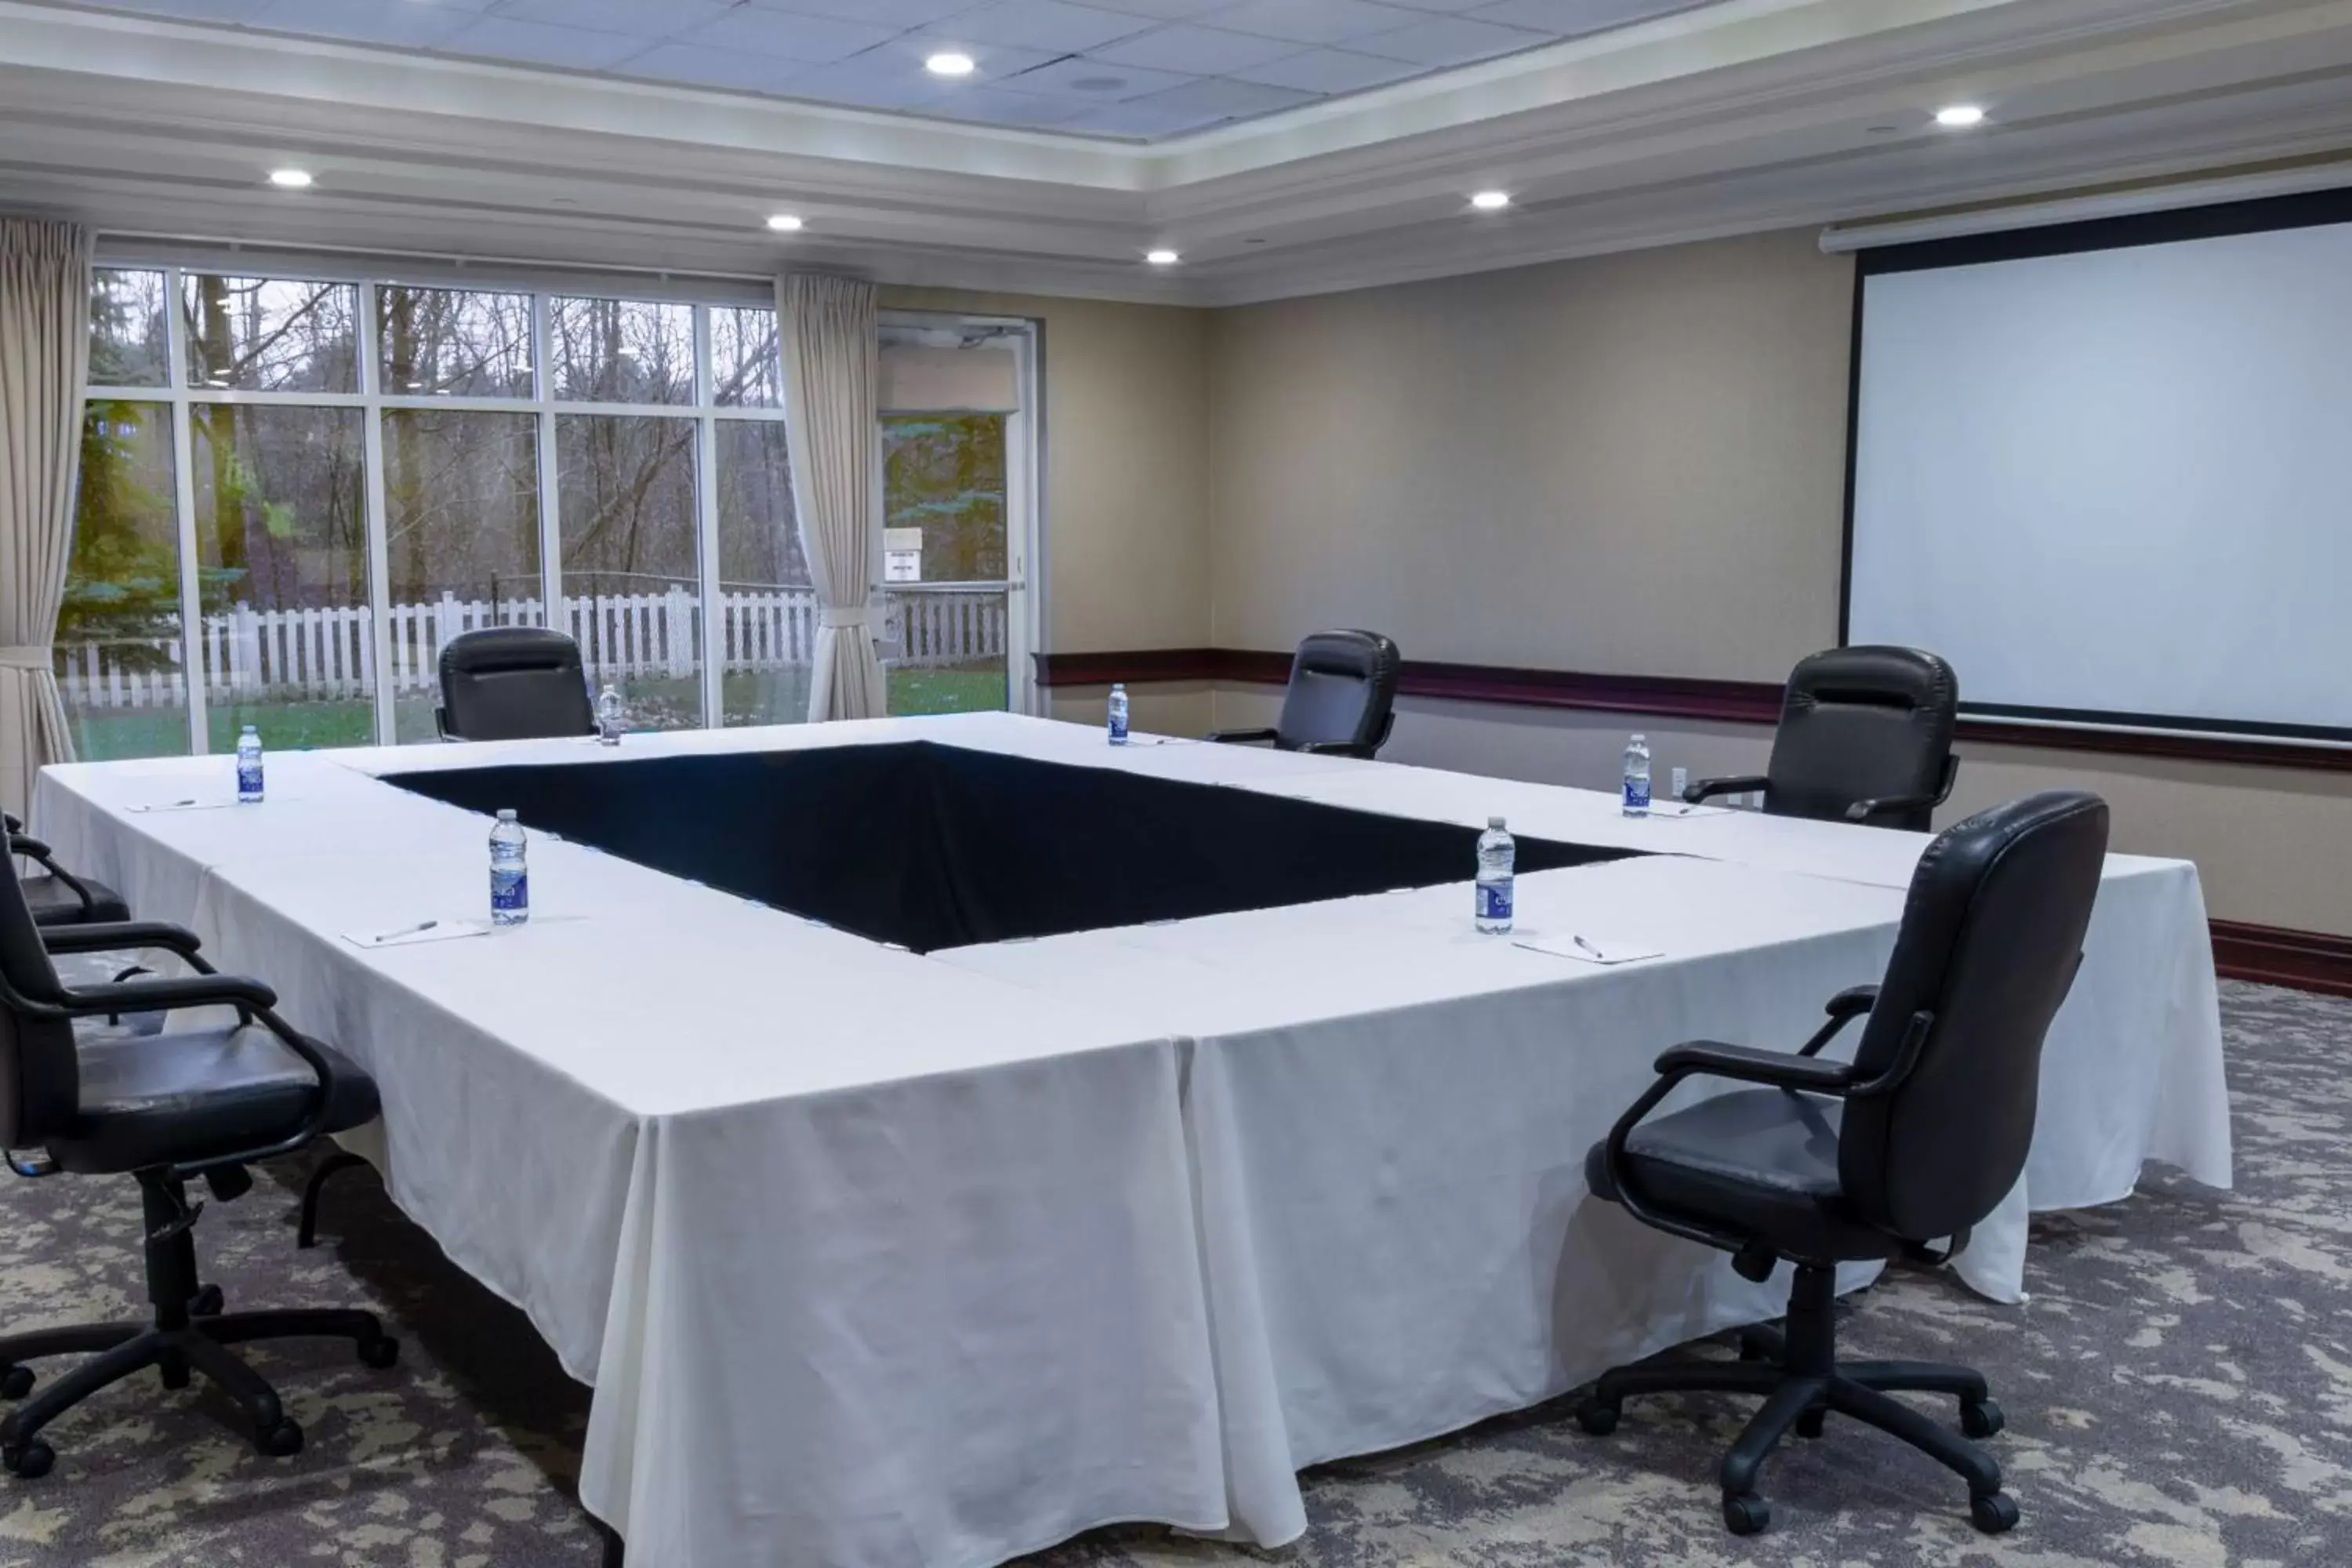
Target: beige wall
{"points": [[1633, 464], [1126, 492]]}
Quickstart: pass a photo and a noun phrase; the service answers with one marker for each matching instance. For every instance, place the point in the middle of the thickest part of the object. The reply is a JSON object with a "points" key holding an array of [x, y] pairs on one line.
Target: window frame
{"points": [[181, 397]]}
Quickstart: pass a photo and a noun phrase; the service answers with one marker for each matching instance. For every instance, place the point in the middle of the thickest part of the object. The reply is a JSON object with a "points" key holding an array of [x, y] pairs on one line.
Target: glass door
{"points": [[958, 514]]}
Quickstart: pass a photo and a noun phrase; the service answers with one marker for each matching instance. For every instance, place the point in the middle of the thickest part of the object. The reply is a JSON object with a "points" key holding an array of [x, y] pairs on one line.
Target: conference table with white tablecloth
{"points": [[879, 1259]]}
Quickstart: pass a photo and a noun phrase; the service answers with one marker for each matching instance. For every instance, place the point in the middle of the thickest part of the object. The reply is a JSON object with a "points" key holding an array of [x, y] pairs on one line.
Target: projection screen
{"points": [[2106, 469]]}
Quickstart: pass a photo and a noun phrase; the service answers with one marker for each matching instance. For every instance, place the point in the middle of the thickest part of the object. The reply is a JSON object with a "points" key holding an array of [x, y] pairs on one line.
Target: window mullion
{"points": [[379, 544], [706, 514], [184, 506], [551, 522]]}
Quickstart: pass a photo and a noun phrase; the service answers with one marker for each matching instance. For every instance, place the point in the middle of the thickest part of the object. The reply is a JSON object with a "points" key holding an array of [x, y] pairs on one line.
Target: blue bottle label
{"points": [[1117, 727], [1637, 795], [510, 891], [248, 777], [1494, 901]]}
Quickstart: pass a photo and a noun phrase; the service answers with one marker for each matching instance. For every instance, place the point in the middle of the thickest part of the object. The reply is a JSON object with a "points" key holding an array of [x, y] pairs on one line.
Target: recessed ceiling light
{"points": [[1161, 258], [785, 223], [1959, 116], [1491, 201], [292, 179], [949, 62]]}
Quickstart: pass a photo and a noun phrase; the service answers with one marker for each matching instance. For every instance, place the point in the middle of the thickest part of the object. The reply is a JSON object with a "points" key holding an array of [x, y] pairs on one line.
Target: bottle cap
{"points": [[1495, 822], [507, 815]]}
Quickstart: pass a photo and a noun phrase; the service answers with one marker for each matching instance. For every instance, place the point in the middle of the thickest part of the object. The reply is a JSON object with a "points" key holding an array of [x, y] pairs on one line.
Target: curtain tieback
{"points": [[28, 656], [838, 618]]}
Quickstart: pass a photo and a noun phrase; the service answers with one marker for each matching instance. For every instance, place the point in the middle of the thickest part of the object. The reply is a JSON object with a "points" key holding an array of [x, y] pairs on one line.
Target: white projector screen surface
{"points": [[2115, 485]]}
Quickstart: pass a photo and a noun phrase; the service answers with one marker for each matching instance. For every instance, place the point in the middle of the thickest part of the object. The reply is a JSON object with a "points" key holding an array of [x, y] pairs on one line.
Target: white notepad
{"points": [[1682, 813], [409, 936], [181, 806], [1588, 948]]}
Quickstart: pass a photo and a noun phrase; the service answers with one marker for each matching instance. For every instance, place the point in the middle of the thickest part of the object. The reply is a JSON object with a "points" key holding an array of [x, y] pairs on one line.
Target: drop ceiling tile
{"points": [[1142, 118], [413, 26], [786, 35], [1165, 10], [647, 19], [1329, 71], [1202, 51], [1576, 18], [1440, 5], [536, 43], [1091, 79], [1001, 106], [1052, 24], [737, 68], [1227, 98], [901, 60], [192, 10], [875, 79], [1312, 21], [1449, 41], [899, 14]]}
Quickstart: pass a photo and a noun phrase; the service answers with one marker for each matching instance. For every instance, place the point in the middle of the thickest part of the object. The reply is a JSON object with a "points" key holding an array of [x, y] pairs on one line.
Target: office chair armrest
{"points": [[39, 853], [1241, 737], [1334, 749], [1885, 805], [314, 1126], [1845, 1007], [111, 935], [165, 993], [23, 843], [1745, 1064], [1706, 787], [11, 822]]}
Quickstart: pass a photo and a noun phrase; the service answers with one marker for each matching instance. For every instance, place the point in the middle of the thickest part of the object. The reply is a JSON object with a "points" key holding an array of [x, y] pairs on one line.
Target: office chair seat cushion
{"points": [[157, 1099], [54, 903], [1760, 1162]]}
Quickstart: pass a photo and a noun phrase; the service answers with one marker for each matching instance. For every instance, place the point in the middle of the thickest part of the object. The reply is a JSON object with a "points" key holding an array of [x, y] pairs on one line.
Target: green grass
{"points": [[104, 735]]}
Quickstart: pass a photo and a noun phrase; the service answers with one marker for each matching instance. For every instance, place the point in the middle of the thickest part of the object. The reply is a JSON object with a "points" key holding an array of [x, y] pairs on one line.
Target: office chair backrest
{"points": [[1342, 689], [513, 683], [1992, 933], [40, 1082], [1863, 723]]}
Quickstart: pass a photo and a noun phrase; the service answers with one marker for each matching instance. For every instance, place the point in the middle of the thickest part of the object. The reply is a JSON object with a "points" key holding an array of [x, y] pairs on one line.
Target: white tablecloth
{"points": [[880, 1259]]}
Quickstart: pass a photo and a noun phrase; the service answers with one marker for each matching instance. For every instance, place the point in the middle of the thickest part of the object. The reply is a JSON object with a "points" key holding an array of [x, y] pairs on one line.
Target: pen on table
{"points": [[1586, 946], [406, 930]]}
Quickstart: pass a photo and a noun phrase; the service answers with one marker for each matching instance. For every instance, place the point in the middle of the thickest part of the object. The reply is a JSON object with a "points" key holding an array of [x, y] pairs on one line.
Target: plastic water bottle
{"points": [[249, 767], [509, 882], [1496, 854], [608, 718], [1637, 777], [1118, 714], [1681, 783]]}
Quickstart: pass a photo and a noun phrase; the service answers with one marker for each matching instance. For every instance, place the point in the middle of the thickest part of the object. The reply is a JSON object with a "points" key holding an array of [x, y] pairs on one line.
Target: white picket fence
{"points": [[290, 655]]}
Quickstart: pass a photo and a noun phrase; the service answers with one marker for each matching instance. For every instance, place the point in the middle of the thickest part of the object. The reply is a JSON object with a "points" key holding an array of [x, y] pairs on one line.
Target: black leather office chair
{"points": [[164, 1109], [58, 897], [1914, 1143], [1865, 735], [513, 683], [1340, 701]]}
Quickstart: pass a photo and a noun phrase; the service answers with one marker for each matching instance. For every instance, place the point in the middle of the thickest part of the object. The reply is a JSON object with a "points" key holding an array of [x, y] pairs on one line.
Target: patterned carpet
{"points": [[2178, 1392]]}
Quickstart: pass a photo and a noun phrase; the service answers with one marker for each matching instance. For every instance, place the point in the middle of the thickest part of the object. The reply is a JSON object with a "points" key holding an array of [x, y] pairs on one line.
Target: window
{"points": [[295, 491], [258, 451]]}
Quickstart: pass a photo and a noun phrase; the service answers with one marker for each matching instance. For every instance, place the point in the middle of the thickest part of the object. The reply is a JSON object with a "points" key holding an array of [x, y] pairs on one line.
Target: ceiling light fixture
{"points": [[785, 223], [1959, 116], [1491, 201], [1161, 258], [292, 179], [949, 62]]}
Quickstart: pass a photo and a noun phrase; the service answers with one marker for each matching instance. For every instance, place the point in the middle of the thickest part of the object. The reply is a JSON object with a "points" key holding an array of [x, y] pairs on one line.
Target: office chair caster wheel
{"points": [[1744, 1513], [1981, 1418], [380, 1352], [1597, 1416], [1808, 1425], [29, 1460], [207, 1302], [1993, 1513], [282, 1441], [15, 1383]]}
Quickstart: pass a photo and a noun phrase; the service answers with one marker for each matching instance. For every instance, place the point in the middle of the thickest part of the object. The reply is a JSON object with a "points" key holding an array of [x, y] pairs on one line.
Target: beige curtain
{"points": [[830, 344], [43, 363]]}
